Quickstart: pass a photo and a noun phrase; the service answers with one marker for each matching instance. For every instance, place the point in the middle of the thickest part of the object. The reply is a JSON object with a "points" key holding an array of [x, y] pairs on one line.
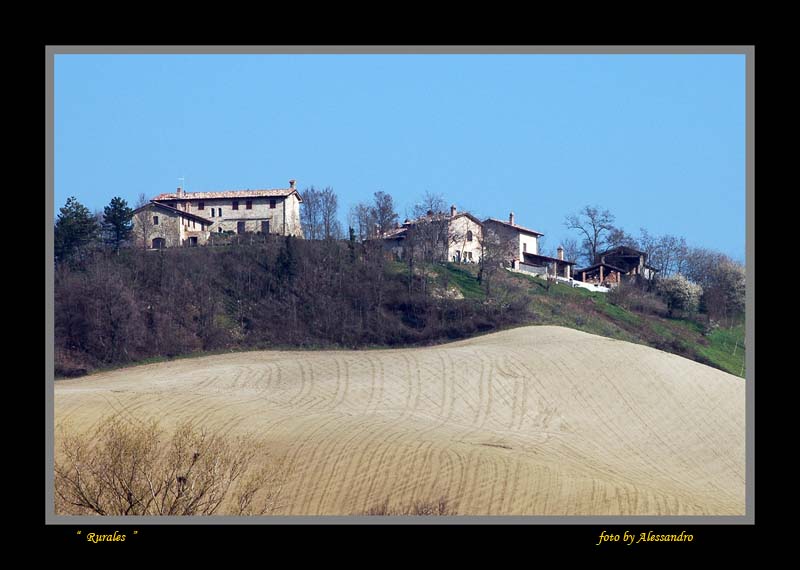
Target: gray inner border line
{"points": [[747, 50]]}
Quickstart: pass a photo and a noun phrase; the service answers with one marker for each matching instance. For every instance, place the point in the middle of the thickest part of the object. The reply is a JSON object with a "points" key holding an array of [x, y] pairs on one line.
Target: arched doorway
{"points": [[159, 243]]}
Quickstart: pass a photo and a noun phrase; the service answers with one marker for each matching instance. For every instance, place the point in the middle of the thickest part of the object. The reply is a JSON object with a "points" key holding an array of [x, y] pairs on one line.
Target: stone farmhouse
{"points": [[189, 218], [455, 237], [521, 248]]}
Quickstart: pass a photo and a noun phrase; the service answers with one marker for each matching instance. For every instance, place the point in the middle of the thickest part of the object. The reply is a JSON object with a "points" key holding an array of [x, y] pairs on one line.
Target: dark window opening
{"points": [[240, 227], [155, 220], [265, 227], [192, 241], [525, 247], [469, 236], [248, 205], [201, 205], [159, 243], [220, 212], [212, 212], [236, 204], [272, 203], [220, 230]]}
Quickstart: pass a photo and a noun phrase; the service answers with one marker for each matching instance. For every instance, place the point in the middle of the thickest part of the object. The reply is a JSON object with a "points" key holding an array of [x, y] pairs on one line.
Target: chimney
{"points": [[453, 211], [511, 218], [560, 253], [180, 191], [292, 183]]}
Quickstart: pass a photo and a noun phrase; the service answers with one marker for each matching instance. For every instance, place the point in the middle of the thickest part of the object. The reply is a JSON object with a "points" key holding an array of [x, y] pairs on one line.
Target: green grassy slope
{"points": [[591, 312]]}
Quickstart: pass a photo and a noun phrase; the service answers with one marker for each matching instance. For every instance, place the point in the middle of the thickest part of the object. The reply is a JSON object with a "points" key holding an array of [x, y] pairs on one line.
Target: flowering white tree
{"points": [[679, 293]]}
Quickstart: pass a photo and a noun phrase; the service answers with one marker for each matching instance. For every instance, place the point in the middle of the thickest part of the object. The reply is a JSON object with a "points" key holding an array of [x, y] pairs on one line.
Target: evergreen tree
{"points": [[75, 229], [286, 262], [117, 222], [351, 245]]}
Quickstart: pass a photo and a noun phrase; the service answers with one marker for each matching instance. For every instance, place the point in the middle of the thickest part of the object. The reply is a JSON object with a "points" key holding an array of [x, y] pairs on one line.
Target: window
{"points": [[469, 235], [201, 205], [272, 203], [524, 247], [220, 212], [265, 227], [248, 205], [236, 204], [193, 226], [155, 220], [212, 212], [220, 230]]}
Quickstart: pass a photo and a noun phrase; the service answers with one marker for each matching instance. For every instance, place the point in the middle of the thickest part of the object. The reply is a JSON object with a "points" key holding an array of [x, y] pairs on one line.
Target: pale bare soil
{"points": [[531, 421]]}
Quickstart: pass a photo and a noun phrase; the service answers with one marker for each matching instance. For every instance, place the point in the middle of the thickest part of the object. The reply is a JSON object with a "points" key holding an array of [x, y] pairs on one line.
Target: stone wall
{"points": [[459, 246], [173, 228], [284, 218]]}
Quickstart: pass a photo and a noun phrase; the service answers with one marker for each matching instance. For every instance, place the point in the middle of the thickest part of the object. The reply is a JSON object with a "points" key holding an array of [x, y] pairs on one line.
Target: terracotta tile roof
{"points": [[269, 193], [514, 226]]}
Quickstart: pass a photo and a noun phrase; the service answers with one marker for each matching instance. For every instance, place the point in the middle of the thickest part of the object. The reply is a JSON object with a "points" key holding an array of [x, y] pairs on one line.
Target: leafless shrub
{"points": [[127, 471], [637, 299], [440, 507]]}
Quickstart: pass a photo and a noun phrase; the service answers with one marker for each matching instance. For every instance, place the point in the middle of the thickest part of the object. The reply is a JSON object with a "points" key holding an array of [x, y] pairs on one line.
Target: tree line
{"points": [[280, 292], [690, 279], [117, 304]]}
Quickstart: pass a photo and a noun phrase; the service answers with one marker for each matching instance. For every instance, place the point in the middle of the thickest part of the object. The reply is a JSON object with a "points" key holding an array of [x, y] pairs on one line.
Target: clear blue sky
{"points": [[657, 139]]}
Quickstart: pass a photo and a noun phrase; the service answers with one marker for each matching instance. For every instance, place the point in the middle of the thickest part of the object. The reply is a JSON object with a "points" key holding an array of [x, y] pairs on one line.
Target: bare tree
{"points": [[310, 214], [319, 214], [328, 214], [594, 225], [384, 213], [430, 202], [122, 469], [571, 249], [428, 236], [648, 243], [618, 237], [667, 253], [361, 218], [142, 222], [670, 257], [494, 255]]}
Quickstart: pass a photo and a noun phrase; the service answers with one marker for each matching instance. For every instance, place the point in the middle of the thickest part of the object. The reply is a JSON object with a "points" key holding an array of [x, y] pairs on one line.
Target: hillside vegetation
{"points": [[603, 314], [138, 306]]}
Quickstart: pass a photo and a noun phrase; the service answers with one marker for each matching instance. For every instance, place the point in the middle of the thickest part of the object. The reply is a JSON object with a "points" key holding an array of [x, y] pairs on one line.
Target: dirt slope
{"points": [[531, 421]]}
